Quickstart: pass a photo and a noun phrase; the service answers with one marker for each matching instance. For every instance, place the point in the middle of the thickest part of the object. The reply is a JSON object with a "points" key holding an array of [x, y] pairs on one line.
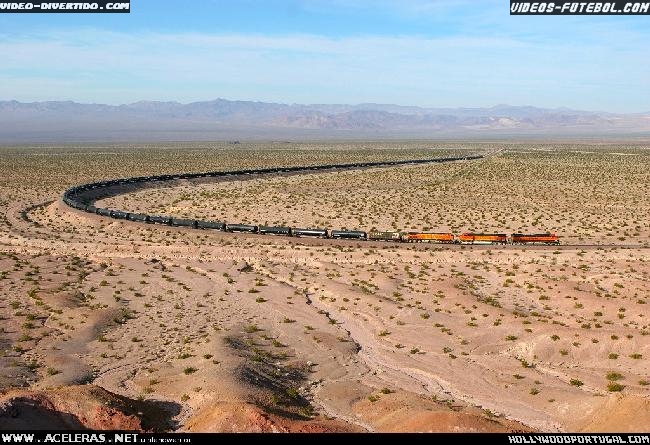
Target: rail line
{"points": [[83, 197]]}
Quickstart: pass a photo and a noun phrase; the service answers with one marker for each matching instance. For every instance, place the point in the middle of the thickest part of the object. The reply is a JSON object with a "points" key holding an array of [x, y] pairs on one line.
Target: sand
{"points": [[238, 332]]}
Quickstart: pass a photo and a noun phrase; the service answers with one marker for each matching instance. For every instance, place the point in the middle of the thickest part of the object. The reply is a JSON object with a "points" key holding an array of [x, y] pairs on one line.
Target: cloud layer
{"points": [[601, 68]]}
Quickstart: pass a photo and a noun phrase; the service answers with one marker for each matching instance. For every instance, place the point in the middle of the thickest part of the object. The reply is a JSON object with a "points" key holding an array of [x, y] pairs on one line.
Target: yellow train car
{"points": [[483, 238], [417, 237]]}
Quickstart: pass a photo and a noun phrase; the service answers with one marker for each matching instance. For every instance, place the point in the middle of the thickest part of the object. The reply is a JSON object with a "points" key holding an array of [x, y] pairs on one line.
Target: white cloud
{"points": [[101, 66]]}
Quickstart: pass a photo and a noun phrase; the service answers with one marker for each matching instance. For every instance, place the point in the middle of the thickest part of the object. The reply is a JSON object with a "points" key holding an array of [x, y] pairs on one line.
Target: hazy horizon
{"points": [[559, 107]]}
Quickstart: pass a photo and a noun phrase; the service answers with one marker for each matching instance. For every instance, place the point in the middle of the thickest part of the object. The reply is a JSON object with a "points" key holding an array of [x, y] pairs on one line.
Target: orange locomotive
{"points": [[544, 238], [419, 237], [483, 238]]}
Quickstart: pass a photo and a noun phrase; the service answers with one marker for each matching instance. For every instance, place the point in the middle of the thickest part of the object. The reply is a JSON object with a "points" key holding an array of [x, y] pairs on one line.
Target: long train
{"points": [[82, 197]]}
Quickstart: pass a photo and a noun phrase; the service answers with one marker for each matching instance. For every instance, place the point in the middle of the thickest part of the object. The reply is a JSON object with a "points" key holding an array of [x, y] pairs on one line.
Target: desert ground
{"points": [[115, 324]]}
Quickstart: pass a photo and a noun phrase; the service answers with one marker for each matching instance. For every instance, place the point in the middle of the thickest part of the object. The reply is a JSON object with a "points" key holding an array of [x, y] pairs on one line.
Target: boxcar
{"points": [[384, 236]]}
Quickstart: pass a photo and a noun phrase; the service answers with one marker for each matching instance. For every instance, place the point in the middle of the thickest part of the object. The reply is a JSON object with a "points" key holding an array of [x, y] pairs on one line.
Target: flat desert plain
{"points": [[120, 325]]}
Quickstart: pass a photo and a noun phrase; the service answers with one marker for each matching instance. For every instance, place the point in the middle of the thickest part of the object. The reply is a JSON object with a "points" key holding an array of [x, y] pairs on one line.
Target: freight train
{"points": [[373, 235], [82, 198]]}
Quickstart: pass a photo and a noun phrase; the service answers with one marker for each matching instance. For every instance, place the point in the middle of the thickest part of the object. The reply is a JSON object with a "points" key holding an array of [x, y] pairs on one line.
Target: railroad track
{"points": [[83, 198]]}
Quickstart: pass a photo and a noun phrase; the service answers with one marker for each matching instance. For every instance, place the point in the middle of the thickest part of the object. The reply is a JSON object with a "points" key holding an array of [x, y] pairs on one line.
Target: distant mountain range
{"points": [[220, 119]]}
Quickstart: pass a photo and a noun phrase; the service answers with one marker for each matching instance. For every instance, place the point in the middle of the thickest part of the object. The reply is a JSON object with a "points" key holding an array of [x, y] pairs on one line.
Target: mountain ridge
{"points": [[221, 118]]}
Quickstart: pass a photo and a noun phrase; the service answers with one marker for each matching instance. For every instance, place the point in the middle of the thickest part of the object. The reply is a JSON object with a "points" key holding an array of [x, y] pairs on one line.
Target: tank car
{"points": [[319, 233], [118, 214], [214, 225], [348, 234], [156, 219], [138, 217], [241, 228], [182, 222], [274, 230]]}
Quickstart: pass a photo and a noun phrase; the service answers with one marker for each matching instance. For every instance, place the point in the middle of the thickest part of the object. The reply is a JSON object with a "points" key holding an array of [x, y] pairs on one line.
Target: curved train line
{"points": [[83, 197]]}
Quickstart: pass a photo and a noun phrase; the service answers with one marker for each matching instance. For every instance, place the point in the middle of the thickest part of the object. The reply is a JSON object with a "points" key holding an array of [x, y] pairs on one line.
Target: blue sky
{"points": [[433, 53]]}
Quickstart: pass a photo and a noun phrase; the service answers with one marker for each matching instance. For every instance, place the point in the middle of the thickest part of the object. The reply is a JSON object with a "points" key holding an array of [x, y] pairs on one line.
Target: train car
{"points": [[543, 238], [241, 228], [274, 230], [76, 204], [213, 225], [155, 219], [348, 234], [182, 222], [423, 237], [483, 238], [375, 235], [118, 214], [319, 233], [103, 212], [91, 209], [138, 217]]}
